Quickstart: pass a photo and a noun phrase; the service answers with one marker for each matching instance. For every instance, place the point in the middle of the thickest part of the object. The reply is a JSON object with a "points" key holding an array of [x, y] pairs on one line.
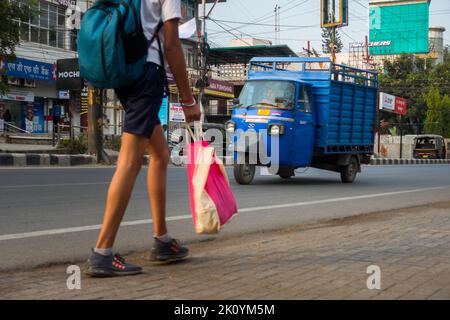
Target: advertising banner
{"points": [[27, 117], [64, 94], [393, 104], [38, 117], [18, 95], [176, 113], [33, 117], [163, 111]]}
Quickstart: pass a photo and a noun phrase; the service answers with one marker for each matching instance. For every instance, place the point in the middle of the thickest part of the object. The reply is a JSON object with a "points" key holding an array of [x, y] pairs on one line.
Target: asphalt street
{"points": [[52, 215]]}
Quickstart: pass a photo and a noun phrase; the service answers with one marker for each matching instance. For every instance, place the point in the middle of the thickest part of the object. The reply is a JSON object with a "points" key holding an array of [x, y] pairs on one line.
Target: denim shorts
{"points": [[142, 101]]}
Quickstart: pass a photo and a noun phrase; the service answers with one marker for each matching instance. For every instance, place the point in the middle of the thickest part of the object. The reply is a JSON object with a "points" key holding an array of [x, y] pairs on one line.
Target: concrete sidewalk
{"points": [[319, 261], [26, 148]]}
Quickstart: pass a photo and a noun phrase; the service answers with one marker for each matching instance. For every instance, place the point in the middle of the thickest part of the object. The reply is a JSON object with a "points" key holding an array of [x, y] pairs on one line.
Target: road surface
{"points": [[52, 215]]}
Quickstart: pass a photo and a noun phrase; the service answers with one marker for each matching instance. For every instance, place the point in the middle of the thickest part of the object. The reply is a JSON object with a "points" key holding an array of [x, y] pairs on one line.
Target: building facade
{"points": [[397, 27], [33, 101]]}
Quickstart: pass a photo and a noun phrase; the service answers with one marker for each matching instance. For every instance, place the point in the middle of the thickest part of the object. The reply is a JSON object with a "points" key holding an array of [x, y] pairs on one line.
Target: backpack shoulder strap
{"points": [[161, 54], [156, 32]]}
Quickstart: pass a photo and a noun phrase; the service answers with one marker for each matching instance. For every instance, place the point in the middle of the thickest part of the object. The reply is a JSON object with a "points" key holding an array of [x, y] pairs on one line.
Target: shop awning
{"points": [[242, 55]]}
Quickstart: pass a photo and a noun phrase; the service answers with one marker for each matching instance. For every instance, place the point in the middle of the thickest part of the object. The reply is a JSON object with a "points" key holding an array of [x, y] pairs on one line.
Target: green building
{"points": [[398, 26]]}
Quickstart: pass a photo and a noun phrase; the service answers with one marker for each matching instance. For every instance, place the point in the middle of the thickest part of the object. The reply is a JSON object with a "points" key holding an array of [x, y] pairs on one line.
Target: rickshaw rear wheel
{"points": [[244, 173], [349, 172]]}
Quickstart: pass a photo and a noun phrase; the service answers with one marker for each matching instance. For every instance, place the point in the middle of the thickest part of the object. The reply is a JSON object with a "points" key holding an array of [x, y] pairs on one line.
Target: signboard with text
{"points": [[28, 69], [393, 104], [176, 113], [68, 74]]}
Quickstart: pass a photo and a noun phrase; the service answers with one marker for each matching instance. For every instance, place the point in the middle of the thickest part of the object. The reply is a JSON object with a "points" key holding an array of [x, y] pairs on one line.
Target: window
{"points": [[47, 26], [268, 93], [304, 97], [187, 9]]}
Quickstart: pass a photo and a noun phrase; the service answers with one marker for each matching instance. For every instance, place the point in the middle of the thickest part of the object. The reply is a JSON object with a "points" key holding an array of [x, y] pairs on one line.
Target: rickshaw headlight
{"points": [[231, 126], [276, 129]]}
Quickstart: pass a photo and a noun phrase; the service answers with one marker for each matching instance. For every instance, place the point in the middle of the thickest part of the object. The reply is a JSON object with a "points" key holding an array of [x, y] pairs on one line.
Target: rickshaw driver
{"points": [[275, 92]]}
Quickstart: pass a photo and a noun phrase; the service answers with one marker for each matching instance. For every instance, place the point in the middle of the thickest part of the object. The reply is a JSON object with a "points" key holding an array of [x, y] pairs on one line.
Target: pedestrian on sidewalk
{"points": [[143, 132]]}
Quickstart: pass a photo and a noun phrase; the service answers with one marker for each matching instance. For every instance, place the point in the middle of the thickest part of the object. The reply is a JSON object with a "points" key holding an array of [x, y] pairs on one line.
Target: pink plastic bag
{"points": [[212, 201]]}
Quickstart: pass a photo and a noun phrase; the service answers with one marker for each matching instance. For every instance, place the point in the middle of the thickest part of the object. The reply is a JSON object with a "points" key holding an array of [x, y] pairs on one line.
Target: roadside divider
{"points": [[36, 159], [380, 161], [65, 160]]}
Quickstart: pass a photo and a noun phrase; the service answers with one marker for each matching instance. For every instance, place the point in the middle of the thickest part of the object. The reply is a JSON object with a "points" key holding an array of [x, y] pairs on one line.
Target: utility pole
{"points": [[95, 120], [333, 34], [203, 83], [277, 23]]}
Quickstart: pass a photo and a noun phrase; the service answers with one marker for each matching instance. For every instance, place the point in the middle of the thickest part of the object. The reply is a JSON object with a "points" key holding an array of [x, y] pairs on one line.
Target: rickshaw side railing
{"points": [[337, 72], [348, 74]]}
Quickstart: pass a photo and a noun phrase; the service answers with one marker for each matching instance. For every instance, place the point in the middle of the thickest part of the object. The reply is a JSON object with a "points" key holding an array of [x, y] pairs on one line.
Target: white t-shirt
{"points": [[152, 12]]}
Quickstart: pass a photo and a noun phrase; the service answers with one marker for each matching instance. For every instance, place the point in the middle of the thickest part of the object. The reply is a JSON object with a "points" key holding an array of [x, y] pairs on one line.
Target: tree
{"points": [[440, 75], [12, 12], [408, 77], [327, 37], [438, 113]]}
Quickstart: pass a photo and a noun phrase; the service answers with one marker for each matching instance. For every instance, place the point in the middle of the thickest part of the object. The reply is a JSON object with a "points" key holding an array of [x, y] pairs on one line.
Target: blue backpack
{"points": [[112, 47]]}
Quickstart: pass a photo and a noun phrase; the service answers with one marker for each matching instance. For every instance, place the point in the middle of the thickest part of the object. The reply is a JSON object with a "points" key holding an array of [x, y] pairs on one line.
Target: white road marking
{"points": [[33, 234]]}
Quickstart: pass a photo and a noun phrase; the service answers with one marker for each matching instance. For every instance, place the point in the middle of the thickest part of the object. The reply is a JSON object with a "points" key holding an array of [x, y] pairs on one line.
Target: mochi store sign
{"points": [[68, 74]]}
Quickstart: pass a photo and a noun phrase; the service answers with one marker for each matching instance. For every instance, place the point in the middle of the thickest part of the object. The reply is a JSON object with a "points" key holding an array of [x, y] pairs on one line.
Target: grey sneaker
{"points": [[110, 266], [167, 252]]}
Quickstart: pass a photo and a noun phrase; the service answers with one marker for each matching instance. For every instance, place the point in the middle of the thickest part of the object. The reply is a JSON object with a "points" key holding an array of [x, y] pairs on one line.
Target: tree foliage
{"points": [[413, 78], [437, 120], [11, 12], [327, 38]]}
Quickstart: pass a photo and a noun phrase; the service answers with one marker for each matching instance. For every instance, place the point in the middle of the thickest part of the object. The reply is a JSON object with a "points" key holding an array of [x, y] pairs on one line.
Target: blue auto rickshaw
{"points": [[319, 113]]}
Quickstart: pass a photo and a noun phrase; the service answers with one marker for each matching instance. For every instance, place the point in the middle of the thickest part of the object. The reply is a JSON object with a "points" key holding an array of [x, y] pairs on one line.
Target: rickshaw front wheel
{"points": [[244, 173]]}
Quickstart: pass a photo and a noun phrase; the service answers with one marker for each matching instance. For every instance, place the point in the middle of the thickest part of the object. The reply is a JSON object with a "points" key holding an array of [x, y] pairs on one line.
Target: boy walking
{"points": [[143, 132]]}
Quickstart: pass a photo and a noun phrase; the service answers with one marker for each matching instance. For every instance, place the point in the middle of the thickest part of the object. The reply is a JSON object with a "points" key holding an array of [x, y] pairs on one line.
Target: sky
{"points": [[299, 20]]}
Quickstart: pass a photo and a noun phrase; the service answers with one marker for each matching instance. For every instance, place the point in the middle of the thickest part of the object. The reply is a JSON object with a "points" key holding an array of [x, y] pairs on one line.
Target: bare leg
{"points": [[119, 192], [156, 180]]}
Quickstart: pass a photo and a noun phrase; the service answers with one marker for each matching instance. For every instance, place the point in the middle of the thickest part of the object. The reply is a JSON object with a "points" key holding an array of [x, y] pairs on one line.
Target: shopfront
{"points": [[30, 97], [219, 96]]}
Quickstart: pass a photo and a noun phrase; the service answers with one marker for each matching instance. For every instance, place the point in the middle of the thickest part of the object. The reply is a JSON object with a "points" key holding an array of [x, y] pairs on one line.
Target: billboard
{"points": [[393, 104], [403, 26], [333, 13]]}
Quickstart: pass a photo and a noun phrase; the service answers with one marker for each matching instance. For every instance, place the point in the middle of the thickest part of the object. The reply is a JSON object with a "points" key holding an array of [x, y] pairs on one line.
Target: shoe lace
{"points": [[120, 258]]}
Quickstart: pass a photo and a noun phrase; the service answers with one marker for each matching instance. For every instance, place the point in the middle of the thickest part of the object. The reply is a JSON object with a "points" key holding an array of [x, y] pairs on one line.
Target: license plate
{"points": [[256, 120]]}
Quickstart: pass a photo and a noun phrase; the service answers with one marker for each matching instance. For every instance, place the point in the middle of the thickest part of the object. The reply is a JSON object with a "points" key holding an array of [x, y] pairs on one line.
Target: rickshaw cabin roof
{"points": [[429, 136]]}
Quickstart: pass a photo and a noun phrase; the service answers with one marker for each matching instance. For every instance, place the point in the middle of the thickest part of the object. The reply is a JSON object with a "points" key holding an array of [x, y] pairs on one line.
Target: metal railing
{"points": [[10, 128], [56, 136]]}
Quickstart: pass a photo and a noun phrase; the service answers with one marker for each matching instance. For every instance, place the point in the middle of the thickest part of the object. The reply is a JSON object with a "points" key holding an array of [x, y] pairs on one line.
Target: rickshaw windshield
{"points": [[426, 143], [268, 93]]}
